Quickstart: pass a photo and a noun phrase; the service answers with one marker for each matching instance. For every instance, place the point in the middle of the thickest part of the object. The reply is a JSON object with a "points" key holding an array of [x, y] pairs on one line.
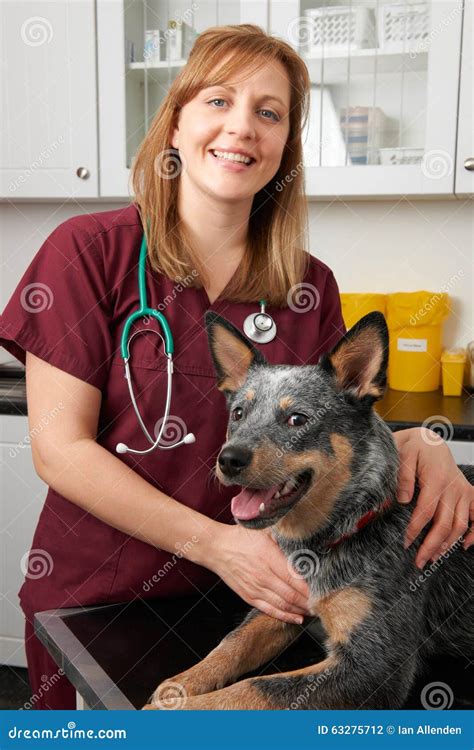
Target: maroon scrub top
{"points": [[69, 309]]}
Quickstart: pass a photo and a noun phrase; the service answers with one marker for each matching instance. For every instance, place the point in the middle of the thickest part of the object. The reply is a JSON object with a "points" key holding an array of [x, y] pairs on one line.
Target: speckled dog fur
{"points": [[380, 619]]}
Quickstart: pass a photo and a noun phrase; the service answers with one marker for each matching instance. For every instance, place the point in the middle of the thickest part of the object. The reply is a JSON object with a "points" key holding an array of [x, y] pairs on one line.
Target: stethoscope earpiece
{"points": [[260, 327]]}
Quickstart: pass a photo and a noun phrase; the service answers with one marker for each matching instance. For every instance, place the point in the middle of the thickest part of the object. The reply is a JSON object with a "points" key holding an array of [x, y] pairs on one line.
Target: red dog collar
{"points": [[363, 521]]}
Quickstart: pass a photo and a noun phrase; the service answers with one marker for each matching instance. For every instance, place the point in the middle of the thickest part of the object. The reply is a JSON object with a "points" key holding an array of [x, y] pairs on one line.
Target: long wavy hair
{"points": [[276, 256]]}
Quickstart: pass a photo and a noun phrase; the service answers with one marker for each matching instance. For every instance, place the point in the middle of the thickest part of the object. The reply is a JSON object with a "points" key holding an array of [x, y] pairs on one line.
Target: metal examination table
{"points": [[116, 655]]}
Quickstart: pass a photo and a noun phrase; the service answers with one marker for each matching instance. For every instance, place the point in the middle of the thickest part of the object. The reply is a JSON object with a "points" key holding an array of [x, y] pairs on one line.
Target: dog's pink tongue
{"points": [[246, 504]]}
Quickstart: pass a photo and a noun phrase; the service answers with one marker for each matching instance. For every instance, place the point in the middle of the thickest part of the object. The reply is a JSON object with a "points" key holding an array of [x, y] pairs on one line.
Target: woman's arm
{"points": [[68, 458], [445, 494]]}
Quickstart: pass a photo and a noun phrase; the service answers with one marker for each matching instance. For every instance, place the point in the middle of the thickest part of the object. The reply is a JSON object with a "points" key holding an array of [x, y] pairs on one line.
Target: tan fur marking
{"points": [[342, 611], [355, 359], [286, 402], [331, 476], [250, 394], [234, 358]]}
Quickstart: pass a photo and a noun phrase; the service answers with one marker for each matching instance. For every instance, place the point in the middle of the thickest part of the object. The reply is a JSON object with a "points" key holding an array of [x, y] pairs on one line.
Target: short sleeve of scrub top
{"points": [[69, 309]]}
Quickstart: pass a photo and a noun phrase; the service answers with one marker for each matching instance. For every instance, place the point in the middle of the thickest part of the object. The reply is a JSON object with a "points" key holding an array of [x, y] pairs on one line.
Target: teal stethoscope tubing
{"points": [[142, 312]]}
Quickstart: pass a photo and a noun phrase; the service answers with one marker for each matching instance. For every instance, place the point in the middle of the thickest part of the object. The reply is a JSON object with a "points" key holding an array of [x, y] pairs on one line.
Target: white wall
{"points": [[383, 246]]}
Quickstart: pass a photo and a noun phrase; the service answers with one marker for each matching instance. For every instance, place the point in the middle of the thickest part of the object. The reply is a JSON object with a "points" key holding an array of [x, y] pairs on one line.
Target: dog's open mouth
{"points": [[251, 503]]}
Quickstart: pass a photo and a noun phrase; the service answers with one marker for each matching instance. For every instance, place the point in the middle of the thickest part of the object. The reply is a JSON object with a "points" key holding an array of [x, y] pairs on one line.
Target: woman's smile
{"points": [[228, 164]]}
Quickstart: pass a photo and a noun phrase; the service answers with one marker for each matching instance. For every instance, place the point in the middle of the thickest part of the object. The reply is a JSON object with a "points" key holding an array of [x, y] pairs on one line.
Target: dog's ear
{"points": [[359, 360], [233, 355]]}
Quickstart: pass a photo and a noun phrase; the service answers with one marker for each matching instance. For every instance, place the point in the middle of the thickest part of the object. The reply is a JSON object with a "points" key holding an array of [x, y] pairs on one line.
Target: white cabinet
{"points": [[465, 150], [384, 94], [22, 497], [48, 102]]}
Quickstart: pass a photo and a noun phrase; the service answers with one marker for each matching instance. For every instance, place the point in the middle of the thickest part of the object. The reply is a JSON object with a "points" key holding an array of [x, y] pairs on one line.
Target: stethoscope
{"points": [[260, 327]]}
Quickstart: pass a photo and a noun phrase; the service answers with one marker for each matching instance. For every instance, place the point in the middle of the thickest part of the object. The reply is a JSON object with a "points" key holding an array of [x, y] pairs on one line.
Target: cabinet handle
{"points": [[469, 164], [84, 174]]}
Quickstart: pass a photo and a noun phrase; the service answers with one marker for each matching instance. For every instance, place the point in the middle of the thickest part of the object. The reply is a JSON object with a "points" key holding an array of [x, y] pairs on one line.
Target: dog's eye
{"points": [[297, 420], [237, 413]]}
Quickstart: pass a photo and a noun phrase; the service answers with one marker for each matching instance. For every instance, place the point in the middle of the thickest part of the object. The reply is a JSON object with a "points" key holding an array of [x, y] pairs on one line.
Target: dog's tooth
{"points": [[262, 507], [277, 495]]}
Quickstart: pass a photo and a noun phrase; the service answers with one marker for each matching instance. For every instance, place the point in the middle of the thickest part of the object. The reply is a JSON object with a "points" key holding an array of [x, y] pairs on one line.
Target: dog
{"points": [[318, 467]]}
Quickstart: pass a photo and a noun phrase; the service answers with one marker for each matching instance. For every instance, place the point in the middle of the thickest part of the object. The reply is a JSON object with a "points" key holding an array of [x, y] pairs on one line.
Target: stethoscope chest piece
{"points": [[260, 327]]}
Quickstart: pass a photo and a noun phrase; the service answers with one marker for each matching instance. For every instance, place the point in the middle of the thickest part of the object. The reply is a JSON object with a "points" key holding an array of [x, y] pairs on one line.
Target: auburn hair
{"points": [[276, 256]]}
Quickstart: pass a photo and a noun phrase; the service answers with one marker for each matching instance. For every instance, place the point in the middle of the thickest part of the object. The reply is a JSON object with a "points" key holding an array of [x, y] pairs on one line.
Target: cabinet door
{"points": [[22, 497], [465, 146], [142, 46], [384, 94], [48, 100]]}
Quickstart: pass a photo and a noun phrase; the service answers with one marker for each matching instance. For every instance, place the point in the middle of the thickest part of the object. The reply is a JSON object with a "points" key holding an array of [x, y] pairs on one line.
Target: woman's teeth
{"points": [[232, 157]]}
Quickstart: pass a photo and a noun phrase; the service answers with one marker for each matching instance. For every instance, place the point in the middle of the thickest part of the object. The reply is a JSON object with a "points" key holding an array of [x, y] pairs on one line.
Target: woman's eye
{"points": [[219, 99], [297, 420], [237, 414]]}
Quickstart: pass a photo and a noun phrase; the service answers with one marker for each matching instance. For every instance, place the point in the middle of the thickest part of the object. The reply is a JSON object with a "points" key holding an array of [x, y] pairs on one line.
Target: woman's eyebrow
{"points": [[265, 97]]}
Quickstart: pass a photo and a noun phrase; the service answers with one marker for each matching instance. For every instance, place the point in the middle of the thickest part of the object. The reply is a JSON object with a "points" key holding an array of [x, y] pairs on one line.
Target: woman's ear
{"points": [[232, 354], [359, 360]]}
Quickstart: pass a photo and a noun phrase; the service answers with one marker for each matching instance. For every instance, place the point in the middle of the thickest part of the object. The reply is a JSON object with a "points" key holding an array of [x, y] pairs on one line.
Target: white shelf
{"points": [[335, 68]]}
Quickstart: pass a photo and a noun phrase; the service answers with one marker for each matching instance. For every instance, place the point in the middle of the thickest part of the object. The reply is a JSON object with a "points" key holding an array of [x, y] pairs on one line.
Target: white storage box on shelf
{"points": [[403, 27], [338, 29], [401, 155]]}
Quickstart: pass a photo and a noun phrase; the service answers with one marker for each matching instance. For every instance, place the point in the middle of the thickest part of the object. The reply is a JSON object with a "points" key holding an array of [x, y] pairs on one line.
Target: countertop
{"points": [[116, 655], [399, 409]]}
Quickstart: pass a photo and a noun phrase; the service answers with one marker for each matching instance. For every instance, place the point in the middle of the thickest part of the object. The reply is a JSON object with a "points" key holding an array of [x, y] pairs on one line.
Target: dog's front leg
{"points": [[257, 640], [275, 692]]}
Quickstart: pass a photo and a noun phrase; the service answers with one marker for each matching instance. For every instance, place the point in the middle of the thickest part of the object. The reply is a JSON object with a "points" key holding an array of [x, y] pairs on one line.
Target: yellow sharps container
{"points": [[415, 324], [356, 305]]}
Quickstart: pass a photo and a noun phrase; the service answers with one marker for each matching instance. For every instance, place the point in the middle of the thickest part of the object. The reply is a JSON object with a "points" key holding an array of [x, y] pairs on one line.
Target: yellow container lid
{"points": [[454, 355]]}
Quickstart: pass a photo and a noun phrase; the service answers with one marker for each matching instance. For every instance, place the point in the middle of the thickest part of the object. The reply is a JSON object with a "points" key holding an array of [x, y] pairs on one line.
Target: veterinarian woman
{"points": [[221, 236]]}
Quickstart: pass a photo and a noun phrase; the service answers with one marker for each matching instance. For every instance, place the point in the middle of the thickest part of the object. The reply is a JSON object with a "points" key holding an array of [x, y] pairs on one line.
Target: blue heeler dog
{"points": [[319, 466]]}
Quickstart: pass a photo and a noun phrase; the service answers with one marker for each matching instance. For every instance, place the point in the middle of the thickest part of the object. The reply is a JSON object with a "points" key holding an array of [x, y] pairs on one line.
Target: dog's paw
{"points": [[149, 707], [170, 695]]}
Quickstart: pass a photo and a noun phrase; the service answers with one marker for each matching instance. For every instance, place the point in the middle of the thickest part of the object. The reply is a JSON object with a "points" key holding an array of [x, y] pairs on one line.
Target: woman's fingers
{"points": [[441, 530], [460, 522], [280, 614], [422, 514]]}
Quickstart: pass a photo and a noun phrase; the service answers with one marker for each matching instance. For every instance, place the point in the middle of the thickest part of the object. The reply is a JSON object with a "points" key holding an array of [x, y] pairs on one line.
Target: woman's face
{"points": [[253, 117]]}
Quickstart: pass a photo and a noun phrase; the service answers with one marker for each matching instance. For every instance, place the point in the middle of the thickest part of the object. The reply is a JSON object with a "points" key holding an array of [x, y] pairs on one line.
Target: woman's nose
{"points": [[240, 122]]}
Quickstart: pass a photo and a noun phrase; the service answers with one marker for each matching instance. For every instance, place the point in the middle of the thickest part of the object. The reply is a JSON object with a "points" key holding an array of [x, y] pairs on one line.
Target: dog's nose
{"points": [[233, 459]]}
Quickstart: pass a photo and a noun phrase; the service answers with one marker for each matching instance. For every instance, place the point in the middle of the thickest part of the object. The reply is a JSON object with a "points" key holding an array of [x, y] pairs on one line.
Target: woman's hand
{"points": [[254, 566], [445, 494]]}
